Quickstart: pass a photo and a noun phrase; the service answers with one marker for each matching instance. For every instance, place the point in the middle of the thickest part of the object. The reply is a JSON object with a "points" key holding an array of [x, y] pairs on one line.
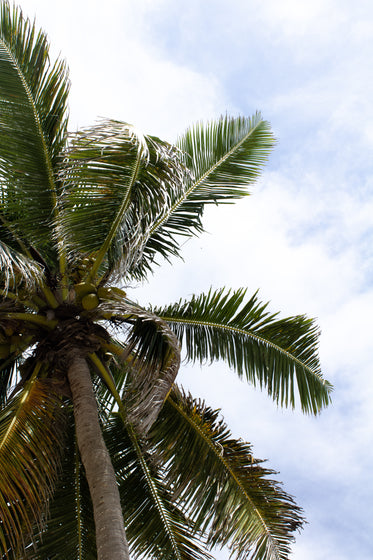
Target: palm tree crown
{"points": [[87, 376]]}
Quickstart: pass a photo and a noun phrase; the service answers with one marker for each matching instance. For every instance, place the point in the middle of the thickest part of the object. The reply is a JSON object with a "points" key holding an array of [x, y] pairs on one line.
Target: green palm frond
{"points": [[156, 528], [278, 354], [47, 84], [33, 123], [30, 446], [16, 269], [69, 530], [227, 492], [117, 184], [221, 160], [225, 156]]}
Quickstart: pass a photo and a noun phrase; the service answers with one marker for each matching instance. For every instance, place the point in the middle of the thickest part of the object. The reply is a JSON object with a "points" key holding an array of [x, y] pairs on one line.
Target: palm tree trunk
{"points": [[110, 534]]}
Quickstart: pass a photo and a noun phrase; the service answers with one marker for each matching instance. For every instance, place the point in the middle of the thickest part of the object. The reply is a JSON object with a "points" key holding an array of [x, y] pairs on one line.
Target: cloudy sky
{"points": [[304, 237]]}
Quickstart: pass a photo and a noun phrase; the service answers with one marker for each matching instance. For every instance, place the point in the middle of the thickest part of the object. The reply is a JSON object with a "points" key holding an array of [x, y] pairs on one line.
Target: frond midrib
{"points": [[24, 399], [226, 466], [31, 101], [123, 208], [154, 493], [47, 160], [224, 327], [201, 179]]}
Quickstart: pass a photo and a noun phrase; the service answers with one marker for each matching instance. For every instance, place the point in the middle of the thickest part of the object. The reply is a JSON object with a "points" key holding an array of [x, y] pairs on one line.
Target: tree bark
{"points": [[110, 534]]}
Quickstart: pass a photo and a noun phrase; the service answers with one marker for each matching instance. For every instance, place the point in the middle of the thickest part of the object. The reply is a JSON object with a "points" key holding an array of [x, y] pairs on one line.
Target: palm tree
{"points": [[100, 451]]}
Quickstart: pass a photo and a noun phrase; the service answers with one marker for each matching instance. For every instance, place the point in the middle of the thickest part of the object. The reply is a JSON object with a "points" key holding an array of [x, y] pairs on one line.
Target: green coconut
{"points": [[90, 301], [105, 293], [83, 289], [109, 293]]}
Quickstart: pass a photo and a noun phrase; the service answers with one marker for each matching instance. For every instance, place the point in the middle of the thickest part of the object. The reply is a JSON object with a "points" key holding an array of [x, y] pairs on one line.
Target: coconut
{"points": [[84, 289], [90, 301]]}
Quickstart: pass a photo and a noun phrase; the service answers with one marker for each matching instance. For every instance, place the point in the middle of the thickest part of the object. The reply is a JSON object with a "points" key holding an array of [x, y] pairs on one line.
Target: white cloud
{"points": [[297, 17], [117, 72]]}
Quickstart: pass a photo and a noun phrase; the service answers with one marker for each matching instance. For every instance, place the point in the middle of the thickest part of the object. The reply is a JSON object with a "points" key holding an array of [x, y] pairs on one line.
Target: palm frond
{"points": [[151, 357], [48, 83], [16, 269], [225, 490], [278, 354], [33, 123], [155, 364], [69, 530], [224, 157], [156, 528], [117, 181], [30, 446], [221, 160]]}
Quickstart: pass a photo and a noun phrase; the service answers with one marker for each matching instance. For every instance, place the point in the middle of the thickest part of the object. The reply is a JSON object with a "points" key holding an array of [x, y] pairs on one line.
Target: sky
{"points": [[303, 238]]}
